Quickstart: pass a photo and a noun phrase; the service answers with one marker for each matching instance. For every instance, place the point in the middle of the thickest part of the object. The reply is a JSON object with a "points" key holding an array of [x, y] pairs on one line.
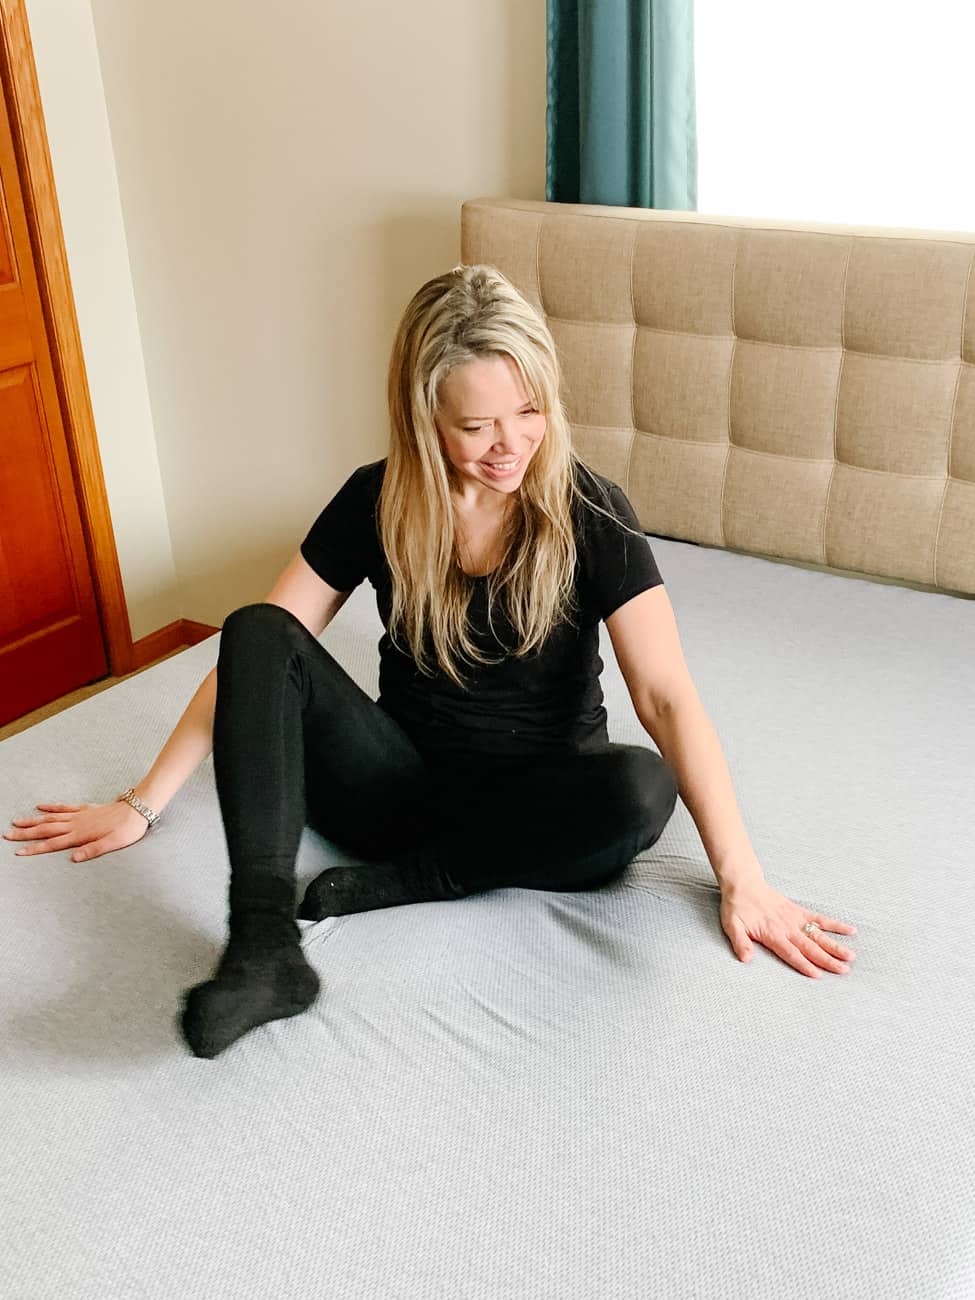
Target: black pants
{"points": [[296, 741]]}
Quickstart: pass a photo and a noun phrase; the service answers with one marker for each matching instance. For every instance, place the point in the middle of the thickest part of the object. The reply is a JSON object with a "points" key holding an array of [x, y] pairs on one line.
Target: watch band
{"points": [[130, 797]]}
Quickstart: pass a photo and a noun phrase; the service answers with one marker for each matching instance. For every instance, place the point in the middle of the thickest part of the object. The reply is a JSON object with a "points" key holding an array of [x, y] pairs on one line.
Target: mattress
{"points": [[522, 1093]]}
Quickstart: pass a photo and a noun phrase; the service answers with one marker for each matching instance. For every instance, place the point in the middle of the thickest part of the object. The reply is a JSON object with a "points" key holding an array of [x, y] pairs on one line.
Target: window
{"points": [[849, 111]]}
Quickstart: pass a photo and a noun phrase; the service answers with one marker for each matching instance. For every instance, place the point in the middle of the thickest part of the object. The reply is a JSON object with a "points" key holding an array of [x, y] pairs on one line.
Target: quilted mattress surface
{"points": [[526, 1094]]}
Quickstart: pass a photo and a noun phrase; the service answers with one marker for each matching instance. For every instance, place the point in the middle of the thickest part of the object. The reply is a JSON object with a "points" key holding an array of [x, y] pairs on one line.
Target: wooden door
{"points": [[50, 634]]}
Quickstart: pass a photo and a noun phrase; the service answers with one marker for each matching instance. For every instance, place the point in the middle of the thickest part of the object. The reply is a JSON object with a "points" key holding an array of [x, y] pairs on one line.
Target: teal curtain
{"points": [[621, 115]]}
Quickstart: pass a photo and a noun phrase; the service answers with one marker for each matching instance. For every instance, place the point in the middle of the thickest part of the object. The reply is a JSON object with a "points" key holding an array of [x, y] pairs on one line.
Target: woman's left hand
{"points": [[757, 911]]}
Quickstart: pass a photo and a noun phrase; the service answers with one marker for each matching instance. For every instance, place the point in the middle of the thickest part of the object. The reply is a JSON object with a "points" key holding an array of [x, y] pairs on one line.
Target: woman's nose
{"points": [[507, 439]]}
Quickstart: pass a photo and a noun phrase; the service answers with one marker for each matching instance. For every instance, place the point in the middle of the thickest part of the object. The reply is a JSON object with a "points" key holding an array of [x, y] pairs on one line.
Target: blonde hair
{"points": [[473, 313]]}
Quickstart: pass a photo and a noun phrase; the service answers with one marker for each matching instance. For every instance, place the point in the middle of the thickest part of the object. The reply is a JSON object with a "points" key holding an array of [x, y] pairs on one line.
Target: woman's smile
{"points": [[502, 468]]}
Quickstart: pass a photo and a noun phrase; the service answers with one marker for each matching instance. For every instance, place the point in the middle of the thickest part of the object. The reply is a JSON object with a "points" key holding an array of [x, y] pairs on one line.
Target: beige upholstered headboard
{"points": [[795, 390]]}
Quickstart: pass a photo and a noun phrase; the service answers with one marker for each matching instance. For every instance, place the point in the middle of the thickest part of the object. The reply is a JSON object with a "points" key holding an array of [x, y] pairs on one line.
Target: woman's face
{"points": [[489, 429]]}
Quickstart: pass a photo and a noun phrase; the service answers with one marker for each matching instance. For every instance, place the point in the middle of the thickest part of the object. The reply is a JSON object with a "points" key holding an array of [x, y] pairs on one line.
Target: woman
{"points": [[485, 762]]}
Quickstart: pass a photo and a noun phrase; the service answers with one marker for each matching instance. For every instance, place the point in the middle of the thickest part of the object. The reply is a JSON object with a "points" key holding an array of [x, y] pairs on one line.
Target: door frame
{"points": [[22, 94]]}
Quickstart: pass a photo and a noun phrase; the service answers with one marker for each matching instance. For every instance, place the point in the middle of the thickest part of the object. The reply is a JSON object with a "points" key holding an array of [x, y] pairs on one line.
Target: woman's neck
{"points": [[488, 505], [480, 537]]}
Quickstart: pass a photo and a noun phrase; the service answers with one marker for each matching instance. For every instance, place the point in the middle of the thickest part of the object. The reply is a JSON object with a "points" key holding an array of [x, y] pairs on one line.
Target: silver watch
{"points": [[130, 797]]}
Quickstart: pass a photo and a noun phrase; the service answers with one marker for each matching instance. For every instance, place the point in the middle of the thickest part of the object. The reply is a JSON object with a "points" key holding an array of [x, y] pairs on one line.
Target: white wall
{"points": [[84, 171], [289, 176], [841, 112]]}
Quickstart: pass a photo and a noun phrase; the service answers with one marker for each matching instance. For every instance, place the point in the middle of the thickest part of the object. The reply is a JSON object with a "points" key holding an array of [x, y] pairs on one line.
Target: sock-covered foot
{"points": [[262, 976], [341, 890]]}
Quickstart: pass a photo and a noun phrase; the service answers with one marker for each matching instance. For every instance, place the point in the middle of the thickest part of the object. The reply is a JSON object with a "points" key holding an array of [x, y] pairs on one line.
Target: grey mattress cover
{"points": [[522, 1093]]}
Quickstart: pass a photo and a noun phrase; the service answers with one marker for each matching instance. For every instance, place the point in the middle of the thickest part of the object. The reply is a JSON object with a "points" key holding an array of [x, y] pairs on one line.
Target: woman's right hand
{"points": [[91, 829]]}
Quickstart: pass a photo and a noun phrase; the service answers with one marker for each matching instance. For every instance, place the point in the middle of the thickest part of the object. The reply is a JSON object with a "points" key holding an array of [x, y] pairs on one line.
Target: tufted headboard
{"points": [[793, 390]]}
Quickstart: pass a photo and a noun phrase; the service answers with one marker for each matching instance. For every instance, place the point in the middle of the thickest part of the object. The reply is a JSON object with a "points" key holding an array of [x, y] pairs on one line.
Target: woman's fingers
{"points": [[736, 931], [794, 955], [803, 953], [36, 830], [834, 946], [57, 818], [107, 844], [830, 923], [50, 845], [54, 818], [817, 952]]}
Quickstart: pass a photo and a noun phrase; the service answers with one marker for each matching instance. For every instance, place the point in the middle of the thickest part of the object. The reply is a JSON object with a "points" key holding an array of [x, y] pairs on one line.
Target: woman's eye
{"points": [[483, 428]]}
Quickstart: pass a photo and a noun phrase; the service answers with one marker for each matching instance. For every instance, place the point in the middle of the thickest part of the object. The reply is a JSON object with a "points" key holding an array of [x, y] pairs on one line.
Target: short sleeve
{"points": [[340, 545], [618, 563]]}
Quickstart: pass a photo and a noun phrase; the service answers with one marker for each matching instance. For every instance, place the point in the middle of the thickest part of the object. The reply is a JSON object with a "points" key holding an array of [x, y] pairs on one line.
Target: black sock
{"points": [[372, 885], [262, 976]]}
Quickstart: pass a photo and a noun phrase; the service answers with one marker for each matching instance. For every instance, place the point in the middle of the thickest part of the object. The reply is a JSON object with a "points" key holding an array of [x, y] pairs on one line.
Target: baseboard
{"points": [[183, 632], [196, 632]]}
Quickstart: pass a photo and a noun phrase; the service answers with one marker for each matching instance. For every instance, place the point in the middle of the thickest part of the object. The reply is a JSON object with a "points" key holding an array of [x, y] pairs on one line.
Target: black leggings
{"points": [[296, 741]]}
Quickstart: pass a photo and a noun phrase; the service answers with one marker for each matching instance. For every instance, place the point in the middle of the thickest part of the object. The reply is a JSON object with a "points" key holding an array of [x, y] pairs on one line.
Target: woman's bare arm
{"points": [[94, 829], [184, 751], [647, 645]]}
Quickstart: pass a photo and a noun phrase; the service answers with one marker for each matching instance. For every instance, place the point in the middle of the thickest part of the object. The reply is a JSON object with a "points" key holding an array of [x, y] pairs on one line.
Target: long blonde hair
{"points": [[472, 313]]}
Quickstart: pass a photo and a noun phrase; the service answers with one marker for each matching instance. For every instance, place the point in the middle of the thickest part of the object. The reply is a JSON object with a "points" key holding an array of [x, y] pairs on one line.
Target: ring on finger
{"points": [[810, 929]]}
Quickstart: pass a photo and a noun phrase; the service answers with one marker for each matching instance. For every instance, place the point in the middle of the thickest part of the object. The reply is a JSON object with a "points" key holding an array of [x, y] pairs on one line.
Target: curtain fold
{"points": [[621, 114]]}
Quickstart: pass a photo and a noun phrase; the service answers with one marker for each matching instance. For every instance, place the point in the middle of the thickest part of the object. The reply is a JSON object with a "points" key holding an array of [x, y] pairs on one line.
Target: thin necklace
{"points": [[470, 557]]}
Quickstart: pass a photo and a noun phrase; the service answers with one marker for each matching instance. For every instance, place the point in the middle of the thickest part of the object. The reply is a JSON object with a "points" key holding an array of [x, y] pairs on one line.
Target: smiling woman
{"points": [[495, 554], [474, 380]]}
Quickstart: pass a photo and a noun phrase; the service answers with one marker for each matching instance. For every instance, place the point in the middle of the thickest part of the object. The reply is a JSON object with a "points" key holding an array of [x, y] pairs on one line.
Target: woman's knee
{"points": [[649, 788], [634, 793], [262, 620]]}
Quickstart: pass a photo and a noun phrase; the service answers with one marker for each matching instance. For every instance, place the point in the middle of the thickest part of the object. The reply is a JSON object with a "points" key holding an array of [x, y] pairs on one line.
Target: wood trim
{"points": [[19, 83], [174, 636], [195, 632]]}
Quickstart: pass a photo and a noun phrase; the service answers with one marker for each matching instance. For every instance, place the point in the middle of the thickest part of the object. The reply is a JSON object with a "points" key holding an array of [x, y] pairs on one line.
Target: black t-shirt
{"points": [[549, 701]]}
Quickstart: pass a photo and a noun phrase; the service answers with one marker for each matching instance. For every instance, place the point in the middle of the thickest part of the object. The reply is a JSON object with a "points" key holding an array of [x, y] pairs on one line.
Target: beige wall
{"points": [[288, 176], [84, 169]]}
